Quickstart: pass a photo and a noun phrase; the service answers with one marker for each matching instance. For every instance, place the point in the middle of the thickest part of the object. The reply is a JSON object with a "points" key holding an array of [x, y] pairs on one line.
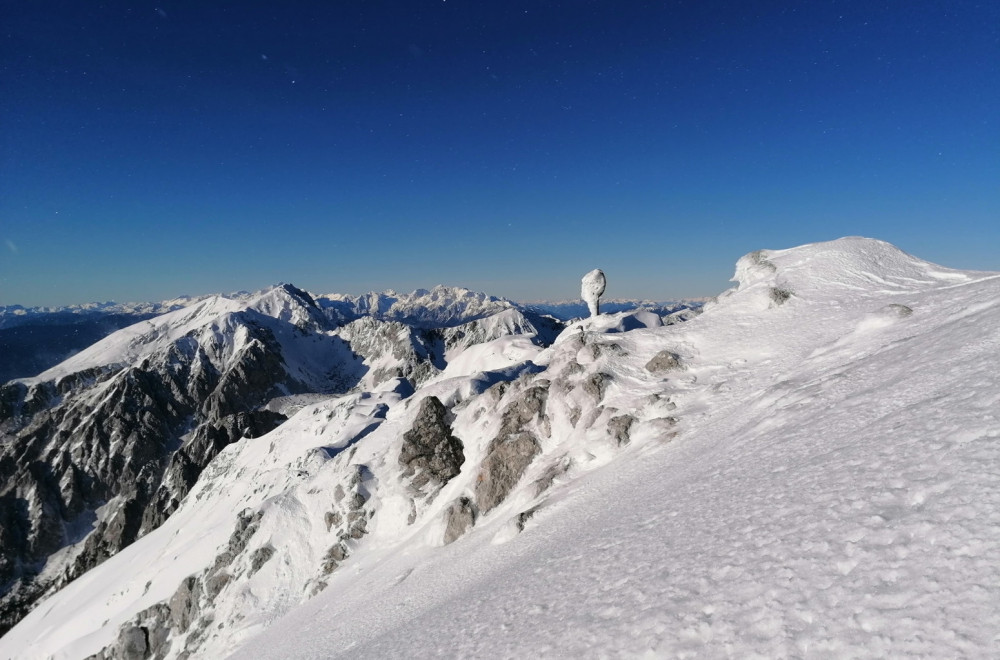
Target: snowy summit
{"points": [[805, 469]]}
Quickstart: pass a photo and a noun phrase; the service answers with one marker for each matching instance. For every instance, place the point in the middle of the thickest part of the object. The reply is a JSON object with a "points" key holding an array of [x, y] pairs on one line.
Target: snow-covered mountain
{"points": [[807, 469], [32, 339], [440, 307], [100, 449]]}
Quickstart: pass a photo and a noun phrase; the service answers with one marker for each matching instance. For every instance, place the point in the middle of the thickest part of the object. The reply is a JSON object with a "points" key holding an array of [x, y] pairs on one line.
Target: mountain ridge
{"points": [[638, 484]]}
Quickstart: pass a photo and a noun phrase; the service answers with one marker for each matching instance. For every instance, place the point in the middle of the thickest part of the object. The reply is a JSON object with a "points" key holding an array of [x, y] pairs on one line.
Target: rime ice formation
{"points": [[591, 288]]}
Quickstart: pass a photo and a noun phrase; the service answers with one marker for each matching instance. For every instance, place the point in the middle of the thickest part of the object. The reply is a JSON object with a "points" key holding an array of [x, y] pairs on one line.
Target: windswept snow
{"points": [[807, 469], [831, 493]]}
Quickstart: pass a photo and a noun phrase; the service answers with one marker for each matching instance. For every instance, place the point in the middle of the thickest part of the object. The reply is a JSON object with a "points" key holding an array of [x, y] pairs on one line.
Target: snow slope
{"points": [[832, 492], [807, 469]]}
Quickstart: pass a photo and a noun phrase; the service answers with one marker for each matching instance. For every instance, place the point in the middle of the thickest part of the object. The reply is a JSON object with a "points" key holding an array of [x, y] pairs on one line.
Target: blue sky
{"points": [[152, 149]]}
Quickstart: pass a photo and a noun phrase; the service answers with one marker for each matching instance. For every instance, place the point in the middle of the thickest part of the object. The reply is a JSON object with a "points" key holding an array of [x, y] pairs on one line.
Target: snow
{"points": [[817, 479], [437, 307], [12, 315], [824, 498], [212, 318], [592, 288], [132, 343]]}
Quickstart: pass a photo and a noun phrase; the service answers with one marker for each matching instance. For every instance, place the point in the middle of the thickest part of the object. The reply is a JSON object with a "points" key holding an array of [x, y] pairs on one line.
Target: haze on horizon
{"points": [[149, 151]]}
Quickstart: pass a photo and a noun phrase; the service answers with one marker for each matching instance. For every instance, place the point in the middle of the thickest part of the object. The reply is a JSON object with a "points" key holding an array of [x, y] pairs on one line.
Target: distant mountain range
{"points": [[33, 339]]}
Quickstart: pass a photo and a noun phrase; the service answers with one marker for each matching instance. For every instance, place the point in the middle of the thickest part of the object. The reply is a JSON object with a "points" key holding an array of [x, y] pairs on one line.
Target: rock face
{"points": [[512, 450], [619, 428], [430, 453], [592, 288], [130, 440], [460, 516], [664, 361], [188, 617]]}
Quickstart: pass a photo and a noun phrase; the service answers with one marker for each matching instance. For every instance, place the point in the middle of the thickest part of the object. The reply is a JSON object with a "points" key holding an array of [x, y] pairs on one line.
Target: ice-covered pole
{"points": [[591, 287]]}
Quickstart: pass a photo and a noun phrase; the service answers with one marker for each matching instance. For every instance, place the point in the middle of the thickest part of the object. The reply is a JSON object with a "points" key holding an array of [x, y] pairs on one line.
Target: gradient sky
{"points": [[152, 149]]}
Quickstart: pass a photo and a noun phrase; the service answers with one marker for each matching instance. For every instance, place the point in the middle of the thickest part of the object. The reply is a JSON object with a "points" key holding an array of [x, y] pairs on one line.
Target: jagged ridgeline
{"points": [[101, 449]]}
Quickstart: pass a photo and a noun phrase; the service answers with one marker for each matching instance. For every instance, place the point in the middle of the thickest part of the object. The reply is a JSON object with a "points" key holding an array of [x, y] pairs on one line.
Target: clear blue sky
{"points": [[151, 149]]}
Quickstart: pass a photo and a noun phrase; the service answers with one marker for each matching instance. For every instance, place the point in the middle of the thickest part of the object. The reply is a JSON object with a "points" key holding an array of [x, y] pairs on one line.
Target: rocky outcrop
{"points": [[512, 449], [348, 517], [187, 463], [146, 636], [619, 428], [107, 449], [392, 349], [430, 454], [664, 361], [459, 518], [779, 295], [596, 384], [189, 615]]}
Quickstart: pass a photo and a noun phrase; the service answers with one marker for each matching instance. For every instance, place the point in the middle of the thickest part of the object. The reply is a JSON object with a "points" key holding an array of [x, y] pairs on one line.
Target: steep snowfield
{"points": [[209, 315], [832, 492], [808, 469]]}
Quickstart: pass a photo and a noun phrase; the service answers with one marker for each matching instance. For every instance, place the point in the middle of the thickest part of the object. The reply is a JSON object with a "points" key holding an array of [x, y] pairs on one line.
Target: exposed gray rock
{"points": [[333, 519], [334, 557], [430, 453], [664, 361], [779, 296], [215, 583], [246, 526], [145, 636], [522, 518], [133, 644], [553, 472], [512, 450], [260, 557], [184, 605], [507, 458], [459, 517], [619, 427], [416, 354], [187, 463], [596, 385], [357, 525], [574, 415], [121, 448]]}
